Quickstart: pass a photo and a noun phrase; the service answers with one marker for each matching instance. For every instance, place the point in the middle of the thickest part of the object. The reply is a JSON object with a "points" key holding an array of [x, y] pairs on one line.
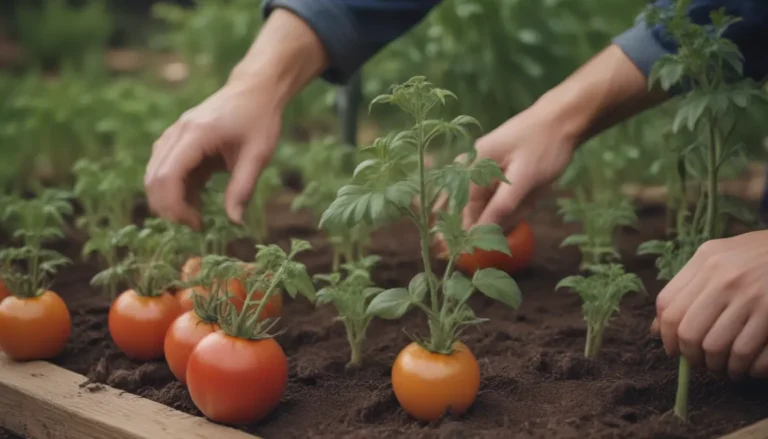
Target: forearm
{"points": [[603, 92], [286, 55]]}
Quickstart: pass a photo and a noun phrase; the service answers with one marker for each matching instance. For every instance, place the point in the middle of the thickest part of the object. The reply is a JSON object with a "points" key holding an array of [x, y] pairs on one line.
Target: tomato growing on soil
{"points": [[35, 328], [183, 335], [236, 381], [429, 385], [138, 323], [521, 245]]}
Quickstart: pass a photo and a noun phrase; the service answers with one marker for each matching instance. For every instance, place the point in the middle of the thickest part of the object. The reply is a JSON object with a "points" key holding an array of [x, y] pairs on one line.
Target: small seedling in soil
{"points": [[266, 188], [107, 194], [708, 68], [599, 219], [34, 321], [325, 170], [382, 189], [140, 316], [243, 359], [351, 294], [601, 293]]}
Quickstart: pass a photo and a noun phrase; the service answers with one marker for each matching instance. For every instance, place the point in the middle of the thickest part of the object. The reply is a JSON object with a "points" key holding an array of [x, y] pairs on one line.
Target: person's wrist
{"points": [[568, 115], [286, 56]]}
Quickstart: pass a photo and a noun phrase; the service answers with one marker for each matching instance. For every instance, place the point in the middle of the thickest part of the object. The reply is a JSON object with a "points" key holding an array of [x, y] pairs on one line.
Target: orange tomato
{"points": [[182, 337], [236, 381], [34, 328], [138, 324], [191, 268], [429, 385], [4, 290], [521, 245]]}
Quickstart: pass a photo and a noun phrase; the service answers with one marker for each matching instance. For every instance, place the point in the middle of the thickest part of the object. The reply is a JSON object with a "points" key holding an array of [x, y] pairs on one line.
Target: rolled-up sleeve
{"points": [[352, 31], [645, 44]]}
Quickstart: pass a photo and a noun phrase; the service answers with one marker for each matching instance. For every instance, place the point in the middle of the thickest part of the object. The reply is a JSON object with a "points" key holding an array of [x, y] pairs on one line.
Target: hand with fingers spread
{"points": [[715, 311], [237, 128]]}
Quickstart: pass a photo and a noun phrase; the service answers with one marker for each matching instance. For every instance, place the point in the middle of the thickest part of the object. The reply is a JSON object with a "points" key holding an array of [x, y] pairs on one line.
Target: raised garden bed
{"points": [[536, 383]]}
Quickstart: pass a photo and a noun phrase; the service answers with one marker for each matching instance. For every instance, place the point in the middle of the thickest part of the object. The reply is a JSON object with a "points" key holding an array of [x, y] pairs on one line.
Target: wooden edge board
{"points": [[758, 430], [39, 400]]}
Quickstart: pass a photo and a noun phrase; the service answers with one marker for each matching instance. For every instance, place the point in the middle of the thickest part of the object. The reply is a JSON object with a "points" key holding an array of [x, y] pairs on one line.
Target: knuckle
{"points": [[713, 347], [688, 336]]}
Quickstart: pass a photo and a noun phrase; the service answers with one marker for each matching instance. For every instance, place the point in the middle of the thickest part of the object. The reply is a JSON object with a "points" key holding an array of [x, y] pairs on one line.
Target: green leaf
{"points": [[572, 282], [575, 240], [498, 285], [418, 287], [390, 304], [458, 287], [654, 247], [489, 237]]}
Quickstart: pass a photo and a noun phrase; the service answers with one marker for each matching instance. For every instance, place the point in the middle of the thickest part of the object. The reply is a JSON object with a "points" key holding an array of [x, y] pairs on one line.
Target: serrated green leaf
{"points": [[488, 237]]}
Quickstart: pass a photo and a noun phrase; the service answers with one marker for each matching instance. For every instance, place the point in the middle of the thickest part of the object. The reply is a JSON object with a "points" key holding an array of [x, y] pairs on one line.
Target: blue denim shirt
{"points": [[354, 30]]}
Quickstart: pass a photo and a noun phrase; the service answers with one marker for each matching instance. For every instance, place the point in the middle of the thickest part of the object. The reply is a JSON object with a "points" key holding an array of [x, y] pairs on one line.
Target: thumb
{"points": [[246, 171]]}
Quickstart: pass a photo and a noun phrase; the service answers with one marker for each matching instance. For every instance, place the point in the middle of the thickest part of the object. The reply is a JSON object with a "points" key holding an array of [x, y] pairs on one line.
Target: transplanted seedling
{"points": [[382, 189], [325, 169], [255, 218], [351, 294], [34, 322], [601, 293], [243, 358]]}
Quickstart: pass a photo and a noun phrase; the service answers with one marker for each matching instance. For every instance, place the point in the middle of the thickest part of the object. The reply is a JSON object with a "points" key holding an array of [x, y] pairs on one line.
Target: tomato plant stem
{"points": [[681, 399], [355, 340], [424, 224], [594, 341], [264, 300]]}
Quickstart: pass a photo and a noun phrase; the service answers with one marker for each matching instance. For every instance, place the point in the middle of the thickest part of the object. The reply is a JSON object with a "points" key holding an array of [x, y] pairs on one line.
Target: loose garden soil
{"points": [[536, 383]]}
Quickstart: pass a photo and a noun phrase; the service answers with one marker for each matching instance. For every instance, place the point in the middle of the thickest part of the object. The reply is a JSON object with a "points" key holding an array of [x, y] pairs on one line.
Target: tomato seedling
{"points": [[382, 189], [255, 219], [350, 295], [34, 321], [601, 293], [238, 375], [325, 170], [521, 249], [140, 316], [708, 69]]}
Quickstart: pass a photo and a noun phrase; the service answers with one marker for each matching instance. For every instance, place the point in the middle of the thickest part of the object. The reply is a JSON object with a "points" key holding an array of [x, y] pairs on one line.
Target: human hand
{"points": [[236, 129], [715, 311]]}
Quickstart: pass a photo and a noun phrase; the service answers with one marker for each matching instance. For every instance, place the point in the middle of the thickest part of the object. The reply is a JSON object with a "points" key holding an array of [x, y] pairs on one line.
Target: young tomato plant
{"points": [[34, 321], [325, 169], [238, 375], [708, 69], [351, 295], [436, 374], [601, 293], [255, 215], [140, 316], [107, 193]]}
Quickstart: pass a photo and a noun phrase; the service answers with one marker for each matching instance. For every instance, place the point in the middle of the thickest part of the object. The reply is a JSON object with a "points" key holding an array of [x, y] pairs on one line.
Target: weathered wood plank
{"points": [[39, 400], [758, 430]]}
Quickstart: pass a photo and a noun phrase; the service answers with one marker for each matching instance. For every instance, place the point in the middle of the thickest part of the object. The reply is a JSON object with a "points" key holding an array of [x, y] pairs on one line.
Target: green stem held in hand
{"points": [[683, 382]]}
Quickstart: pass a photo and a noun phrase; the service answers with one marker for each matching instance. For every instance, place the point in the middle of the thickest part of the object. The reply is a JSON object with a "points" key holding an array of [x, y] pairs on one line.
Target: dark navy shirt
{"points": [[352, 31]]}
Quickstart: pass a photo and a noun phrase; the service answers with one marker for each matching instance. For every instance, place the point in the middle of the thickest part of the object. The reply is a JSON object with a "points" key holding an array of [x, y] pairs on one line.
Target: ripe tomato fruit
{"points": [[521, 245], [236, 381], [4, 290], [191, 268], [34, 328], [182, 337], [429, 385], [138, 323]]}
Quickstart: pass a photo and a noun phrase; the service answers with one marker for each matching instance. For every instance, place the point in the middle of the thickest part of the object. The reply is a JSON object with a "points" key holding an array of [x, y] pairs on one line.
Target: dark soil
{"points": [[536, 383]]}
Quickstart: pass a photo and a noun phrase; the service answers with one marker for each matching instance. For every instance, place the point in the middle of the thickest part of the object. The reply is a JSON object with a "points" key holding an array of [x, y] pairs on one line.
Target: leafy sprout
{"points": [[601, 293], [256, 215], [153, 255], [277, 270], [382, 189], [27, 270], [219, 231], [351, 294]]}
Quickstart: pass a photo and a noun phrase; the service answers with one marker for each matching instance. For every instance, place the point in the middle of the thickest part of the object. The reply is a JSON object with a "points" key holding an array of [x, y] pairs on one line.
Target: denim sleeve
{"points": [[352, 31], [644, 45]]}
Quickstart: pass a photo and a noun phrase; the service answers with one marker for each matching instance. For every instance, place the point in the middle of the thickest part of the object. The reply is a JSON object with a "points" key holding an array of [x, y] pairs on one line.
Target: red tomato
{"points": [[4, 290], [138, 324], [34, 328], [429, 385], [182, 337], [191, 268], [521, 245], [236, 381]]}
